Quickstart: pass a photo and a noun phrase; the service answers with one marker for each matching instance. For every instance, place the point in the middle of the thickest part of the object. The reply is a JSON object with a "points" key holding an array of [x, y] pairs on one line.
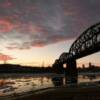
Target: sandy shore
{"points": [[65, 93]]}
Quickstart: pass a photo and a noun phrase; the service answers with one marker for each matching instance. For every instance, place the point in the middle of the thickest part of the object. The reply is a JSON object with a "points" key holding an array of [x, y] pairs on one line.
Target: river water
{"points": [[21, 83]]}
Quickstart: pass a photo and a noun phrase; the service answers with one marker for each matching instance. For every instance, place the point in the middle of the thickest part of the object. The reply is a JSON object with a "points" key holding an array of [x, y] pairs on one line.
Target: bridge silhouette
{"points": [[87, 43]]}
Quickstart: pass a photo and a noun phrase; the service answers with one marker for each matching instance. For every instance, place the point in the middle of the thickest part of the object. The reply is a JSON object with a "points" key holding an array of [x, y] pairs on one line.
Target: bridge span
{"points": [[87, 43]]}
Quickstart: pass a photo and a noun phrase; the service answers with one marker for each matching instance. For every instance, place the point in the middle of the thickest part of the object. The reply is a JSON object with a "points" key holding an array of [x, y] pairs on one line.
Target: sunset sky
{"points": [[34, 32]]}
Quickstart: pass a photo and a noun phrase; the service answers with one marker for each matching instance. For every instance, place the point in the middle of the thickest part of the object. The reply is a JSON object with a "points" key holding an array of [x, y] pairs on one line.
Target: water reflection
{"points": [[62, 81], [58, 81], [19, 84], [91, 77], [10, 86], [71, 80]]}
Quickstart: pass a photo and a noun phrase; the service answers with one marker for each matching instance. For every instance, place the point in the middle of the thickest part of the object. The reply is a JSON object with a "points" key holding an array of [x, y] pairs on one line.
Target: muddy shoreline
{"points": [[79, 92], [62, 93]]}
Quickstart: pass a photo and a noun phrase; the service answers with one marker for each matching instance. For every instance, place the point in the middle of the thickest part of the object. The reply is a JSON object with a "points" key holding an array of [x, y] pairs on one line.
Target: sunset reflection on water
{"points": [[14, 84], [20, 85]]}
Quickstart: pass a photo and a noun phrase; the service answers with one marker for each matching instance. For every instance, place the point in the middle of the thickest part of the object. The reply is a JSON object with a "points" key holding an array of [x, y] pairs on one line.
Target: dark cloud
{"points": [[36, 23]]}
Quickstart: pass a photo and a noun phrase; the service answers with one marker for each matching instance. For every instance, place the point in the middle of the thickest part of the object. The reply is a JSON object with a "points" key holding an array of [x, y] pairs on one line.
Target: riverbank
{"points": [[60, 93], [65, 93]]}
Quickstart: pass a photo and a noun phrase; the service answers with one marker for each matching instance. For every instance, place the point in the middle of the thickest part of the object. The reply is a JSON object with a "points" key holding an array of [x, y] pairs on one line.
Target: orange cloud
{"points": [[4, 57], [38, 44]]}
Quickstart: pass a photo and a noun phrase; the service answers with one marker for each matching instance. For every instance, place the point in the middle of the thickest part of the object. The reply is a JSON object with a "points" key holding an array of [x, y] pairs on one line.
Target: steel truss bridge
{"points": [[87, 43]]}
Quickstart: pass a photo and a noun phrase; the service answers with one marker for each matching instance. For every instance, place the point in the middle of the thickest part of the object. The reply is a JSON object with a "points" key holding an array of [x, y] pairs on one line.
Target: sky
{"points": [[36, 32]]}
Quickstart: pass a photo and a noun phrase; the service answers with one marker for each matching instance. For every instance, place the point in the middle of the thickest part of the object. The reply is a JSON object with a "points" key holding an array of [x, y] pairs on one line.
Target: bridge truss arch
{"points": [[63, 57], [87, 43]]}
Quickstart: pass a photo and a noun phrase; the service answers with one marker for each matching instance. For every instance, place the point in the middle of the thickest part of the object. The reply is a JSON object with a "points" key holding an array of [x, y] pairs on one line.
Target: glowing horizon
{"points": [[34, 59]]}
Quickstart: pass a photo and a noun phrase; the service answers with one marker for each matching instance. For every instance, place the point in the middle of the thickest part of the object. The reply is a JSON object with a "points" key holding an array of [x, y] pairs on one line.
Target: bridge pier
{"points": [[58, 67], [71, 71]]}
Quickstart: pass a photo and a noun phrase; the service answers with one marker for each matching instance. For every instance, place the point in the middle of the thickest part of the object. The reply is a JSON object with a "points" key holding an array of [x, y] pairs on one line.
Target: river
{"points": [[11, 84]]}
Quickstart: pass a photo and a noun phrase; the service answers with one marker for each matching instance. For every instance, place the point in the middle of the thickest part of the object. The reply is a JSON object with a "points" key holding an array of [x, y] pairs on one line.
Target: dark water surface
{"points": [[11, 84]]}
